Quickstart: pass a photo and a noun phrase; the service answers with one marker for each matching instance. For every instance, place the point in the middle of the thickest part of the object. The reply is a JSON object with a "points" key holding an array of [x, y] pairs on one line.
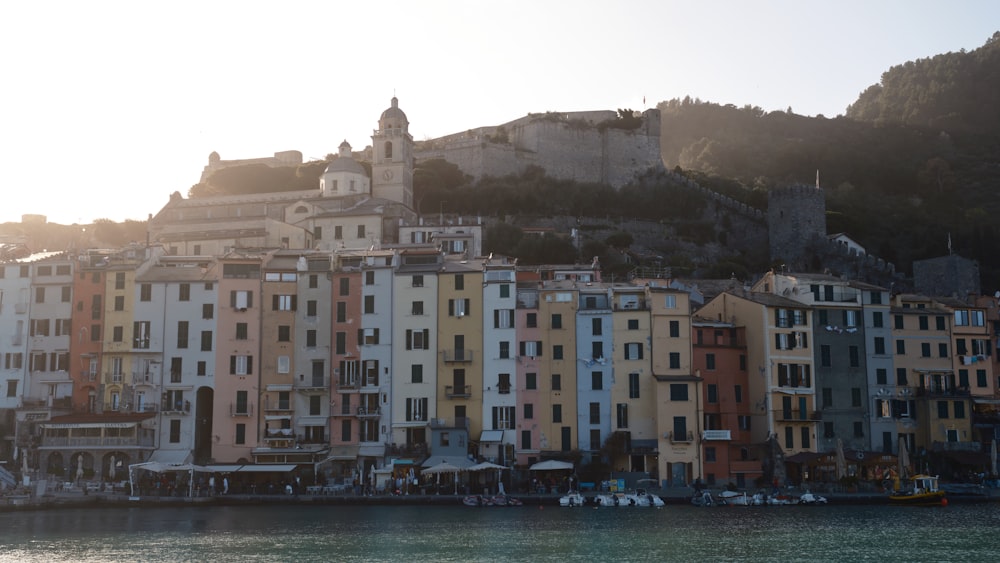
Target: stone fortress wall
{"points": [[568, 146]]}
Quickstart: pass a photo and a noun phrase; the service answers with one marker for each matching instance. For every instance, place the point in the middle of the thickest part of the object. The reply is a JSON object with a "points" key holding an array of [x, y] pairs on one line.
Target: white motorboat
{"points": [[572, 498], [614, 499], [643, 498], [811, 499]]}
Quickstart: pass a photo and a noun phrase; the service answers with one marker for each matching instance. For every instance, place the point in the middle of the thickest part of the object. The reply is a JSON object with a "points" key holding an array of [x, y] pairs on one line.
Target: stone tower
{"points": [[392, 157], [796, 219]]}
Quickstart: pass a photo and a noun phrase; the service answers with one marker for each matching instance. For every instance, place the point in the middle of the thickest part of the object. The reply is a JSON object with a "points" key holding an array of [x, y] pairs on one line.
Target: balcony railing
{"points": [[369, 412], [943, 391], [315, 383], [176, 407], [116, 441], [716, 435], [458, 392], [278, 406], [799, 416], [457, 355], [114, 377], [347, 384], [236, 409], [680, 438]]}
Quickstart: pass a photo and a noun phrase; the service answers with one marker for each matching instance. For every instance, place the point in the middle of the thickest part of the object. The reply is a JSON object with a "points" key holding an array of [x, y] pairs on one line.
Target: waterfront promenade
{"points": [[671, 496]]}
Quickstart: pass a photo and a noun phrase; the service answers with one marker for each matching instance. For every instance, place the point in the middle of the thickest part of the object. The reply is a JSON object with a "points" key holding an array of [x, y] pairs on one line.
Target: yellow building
{"points": [[556, 408], [633, 392], [460, 315]]}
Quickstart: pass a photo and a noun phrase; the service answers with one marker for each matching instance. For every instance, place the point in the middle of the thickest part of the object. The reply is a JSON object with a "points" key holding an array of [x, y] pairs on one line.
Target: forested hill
{"points": [[914, 160]]}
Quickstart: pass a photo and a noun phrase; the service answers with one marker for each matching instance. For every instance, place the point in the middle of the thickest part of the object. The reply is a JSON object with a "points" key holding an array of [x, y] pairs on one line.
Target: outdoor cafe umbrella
{"points": [[841, 460], [79, 467], [904, 459], [111, 471], [486, 465], [443, 467]]}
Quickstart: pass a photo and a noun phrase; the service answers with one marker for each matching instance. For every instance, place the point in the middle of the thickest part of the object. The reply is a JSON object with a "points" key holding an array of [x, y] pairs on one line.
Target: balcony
{"points": [[347, 384], [457, 355], [408, 450], [177, 407], [97, 441], [114, 378], [681, 438], [799, 416], [712, 435], [236, 409], [314, 383], [943, 391], [458, 422], [369, 412], [87, 375], [277, 406], [458, 391]]}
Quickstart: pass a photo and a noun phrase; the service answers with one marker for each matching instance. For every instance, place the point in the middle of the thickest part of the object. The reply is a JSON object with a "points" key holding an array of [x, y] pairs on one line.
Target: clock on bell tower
{"points": [[392, 166]]}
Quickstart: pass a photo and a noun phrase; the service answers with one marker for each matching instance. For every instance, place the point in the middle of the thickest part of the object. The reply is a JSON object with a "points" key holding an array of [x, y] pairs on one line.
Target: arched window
{"points": [[388, 149]]}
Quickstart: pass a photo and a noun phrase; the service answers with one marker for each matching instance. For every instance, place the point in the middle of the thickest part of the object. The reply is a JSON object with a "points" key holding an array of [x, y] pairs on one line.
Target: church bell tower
{"points": [[392, 148]]}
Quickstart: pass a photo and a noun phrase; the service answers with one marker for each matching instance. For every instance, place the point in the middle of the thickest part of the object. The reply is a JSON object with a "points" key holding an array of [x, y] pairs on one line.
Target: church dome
{"points": [[345, 164], [394, 113]]}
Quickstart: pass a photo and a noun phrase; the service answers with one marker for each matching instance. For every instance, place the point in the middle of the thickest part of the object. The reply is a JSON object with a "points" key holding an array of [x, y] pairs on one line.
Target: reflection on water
{"points": [[675, 533]]}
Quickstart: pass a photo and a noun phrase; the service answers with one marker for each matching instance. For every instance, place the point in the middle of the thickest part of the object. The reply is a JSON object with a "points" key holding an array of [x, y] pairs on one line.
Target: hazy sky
{"points": [[106, 108]]}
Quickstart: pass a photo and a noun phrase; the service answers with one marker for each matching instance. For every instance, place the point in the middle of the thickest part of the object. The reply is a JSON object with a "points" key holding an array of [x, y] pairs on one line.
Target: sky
{"points": [[106, 107]]}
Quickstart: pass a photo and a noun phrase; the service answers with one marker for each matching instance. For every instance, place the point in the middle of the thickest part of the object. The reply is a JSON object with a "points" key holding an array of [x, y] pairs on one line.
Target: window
{"points": [[900, 376], [284, 333], [119, 303], [738, 393], [310, 338], [117, 334], [184, 292], [361, 231], [207, 311], [678, 392], [556, 320], [556, 413], [877, 320], [530, 348], [175, 431], [241, 365], [529, 411], [202, 367], [942, 350], [416, 373], [341, 312], [241, 300], [879, 345], [881, 376], [504, 290], [417, 281], [853, 357], [503, 383], [417, 308], [712, 393], [504, 350], [859, 429], [140, 334], [182, 334], [789, 438], [710, 361], [556, 382], [557, 352], [633, 324], [345, 286], [314, 405], [338, 230], [595, 413], [206, 341], [311, 308], [596, 380], [241, 433], [633, 385], [340, 343], [531, 320], [369, 304], [531, 381], [675, 329], [416, 409], [417, 339], [959, 409], [283, 302], [503, 418], [805, 436], [119, 280], [503, 318], [980, 378], [744, 422], [901, 347], [670, 301], [597, 350], [595, 326], [633, 351], [621, 415], [458, 307], [675, 360], [459, 282], [925, 350], [942, 409], [855, 397], [241, 331], [680, 429]]}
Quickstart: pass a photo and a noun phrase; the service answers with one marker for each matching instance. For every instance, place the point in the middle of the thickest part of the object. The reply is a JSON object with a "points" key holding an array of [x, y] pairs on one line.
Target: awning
{"points": [[172, 457], [458, 461], [491, 436], [263, 468], [551, 465], [371, 451]]}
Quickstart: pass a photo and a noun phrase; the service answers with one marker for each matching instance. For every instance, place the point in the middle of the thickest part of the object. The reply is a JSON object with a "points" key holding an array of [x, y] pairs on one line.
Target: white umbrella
{"points": [[904, 459], [111, 471], [841, 461], [79, 467], [993, 458], [551, 465]]}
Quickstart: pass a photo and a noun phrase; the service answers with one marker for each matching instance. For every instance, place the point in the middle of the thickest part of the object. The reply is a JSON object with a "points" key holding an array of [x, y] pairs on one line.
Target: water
{"points": [[432, 533]]}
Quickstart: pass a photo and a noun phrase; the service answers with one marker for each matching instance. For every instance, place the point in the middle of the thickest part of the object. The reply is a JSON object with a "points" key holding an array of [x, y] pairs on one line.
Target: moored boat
{"points": [[809, 499], [572, 498], [925, 492]]}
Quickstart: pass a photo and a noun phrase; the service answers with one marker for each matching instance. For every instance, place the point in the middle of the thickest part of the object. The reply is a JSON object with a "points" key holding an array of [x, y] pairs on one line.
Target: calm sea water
{"points": [[674, 533]]}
